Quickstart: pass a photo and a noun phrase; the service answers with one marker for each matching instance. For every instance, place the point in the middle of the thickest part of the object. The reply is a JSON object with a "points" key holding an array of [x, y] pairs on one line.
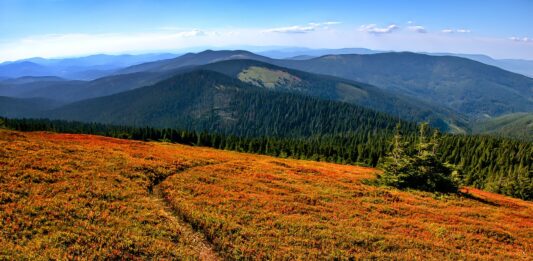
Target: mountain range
{"points": [[454, 94], [520, 66], [469, 87]]}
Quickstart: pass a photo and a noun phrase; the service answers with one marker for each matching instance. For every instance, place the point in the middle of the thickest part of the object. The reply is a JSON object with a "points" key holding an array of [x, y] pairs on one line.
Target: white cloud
{"points": [[374, 29], [418, 29], [180, 40], [451, 31], [301, 29], [182, 31], [521, 39], [331, 23], [194, 32], [54, 45], [296, 29]]}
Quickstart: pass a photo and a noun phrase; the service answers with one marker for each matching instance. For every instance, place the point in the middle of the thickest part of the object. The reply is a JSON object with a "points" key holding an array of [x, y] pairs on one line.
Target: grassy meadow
{"points": [[65, 196]]}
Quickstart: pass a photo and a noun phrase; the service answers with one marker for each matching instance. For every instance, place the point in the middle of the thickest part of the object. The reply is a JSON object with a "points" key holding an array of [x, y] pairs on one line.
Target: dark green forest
{"points": [[494, 164], [212, 101]]}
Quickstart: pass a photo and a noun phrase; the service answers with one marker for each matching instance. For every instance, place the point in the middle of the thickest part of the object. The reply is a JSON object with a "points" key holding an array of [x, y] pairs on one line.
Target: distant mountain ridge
{"points": [[520, 66], [524, 67], [193, 59], [73, 90], [289, 53], [79, 68]]}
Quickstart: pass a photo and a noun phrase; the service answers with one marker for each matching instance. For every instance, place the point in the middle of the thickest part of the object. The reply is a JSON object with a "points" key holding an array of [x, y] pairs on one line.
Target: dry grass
{"points": [[68, 196]]}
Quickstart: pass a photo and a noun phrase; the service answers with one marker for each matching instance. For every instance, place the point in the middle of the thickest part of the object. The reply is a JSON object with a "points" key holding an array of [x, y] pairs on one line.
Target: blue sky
{"points": [[52, 28]]}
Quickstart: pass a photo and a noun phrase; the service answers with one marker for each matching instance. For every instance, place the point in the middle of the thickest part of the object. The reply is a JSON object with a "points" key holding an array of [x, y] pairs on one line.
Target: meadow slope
{"points": [[65, 196]]}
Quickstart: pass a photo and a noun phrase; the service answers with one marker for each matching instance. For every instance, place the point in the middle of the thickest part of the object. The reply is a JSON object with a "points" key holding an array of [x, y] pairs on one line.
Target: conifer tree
{"points": [[396, 164], [421, 170]]}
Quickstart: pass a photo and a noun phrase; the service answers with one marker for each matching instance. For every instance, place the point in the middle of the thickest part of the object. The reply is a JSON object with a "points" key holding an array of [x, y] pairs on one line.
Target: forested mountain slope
{"points": [[456, 83], [466, 86], [207, 100], [276, 78]]}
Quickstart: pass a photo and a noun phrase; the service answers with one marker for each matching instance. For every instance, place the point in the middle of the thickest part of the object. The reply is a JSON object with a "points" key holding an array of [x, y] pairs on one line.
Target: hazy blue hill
{"points": [[77, 68], [36, 67], [23, 68], [301, 57], [37, 87], [464, 85], [524, 67], [31, 79], [289, 53], [207, 100], [129, 79], [110, 61], [70, 91]]}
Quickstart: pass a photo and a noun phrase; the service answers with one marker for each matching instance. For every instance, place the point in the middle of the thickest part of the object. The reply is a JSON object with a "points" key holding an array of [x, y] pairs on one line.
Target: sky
{"points": [[67, 28]]}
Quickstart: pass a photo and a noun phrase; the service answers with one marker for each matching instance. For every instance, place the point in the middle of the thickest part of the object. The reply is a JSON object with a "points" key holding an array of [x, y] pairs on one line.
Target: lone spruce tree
{"points": [[397, 163], [419, 168]]}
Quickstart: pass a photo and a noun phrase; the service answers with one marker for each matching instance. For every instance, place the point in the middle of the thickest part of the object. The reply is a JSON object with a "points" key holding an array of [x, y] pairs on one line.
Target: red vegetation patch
{"points": [[80, 196], [257, 207]]}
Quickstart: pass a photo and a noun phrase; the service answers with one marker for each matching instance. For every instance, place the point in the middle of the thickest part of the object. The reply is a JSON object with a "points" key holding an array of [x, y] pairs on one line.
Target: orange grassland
{"points": [[66, 196]]}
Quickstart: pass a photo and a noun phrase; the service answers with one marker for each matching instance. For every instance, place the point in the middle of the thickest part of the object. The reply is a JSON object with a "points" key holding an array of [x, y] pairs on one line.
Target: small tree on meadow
{"points": [[396, 165], [419, 169]]}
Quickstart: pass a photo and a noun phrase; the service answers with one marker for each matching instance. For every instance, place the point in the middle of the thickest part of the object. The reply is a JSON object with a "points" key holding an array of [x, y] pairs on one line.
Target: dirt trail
{"points": [[207, 250]]}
